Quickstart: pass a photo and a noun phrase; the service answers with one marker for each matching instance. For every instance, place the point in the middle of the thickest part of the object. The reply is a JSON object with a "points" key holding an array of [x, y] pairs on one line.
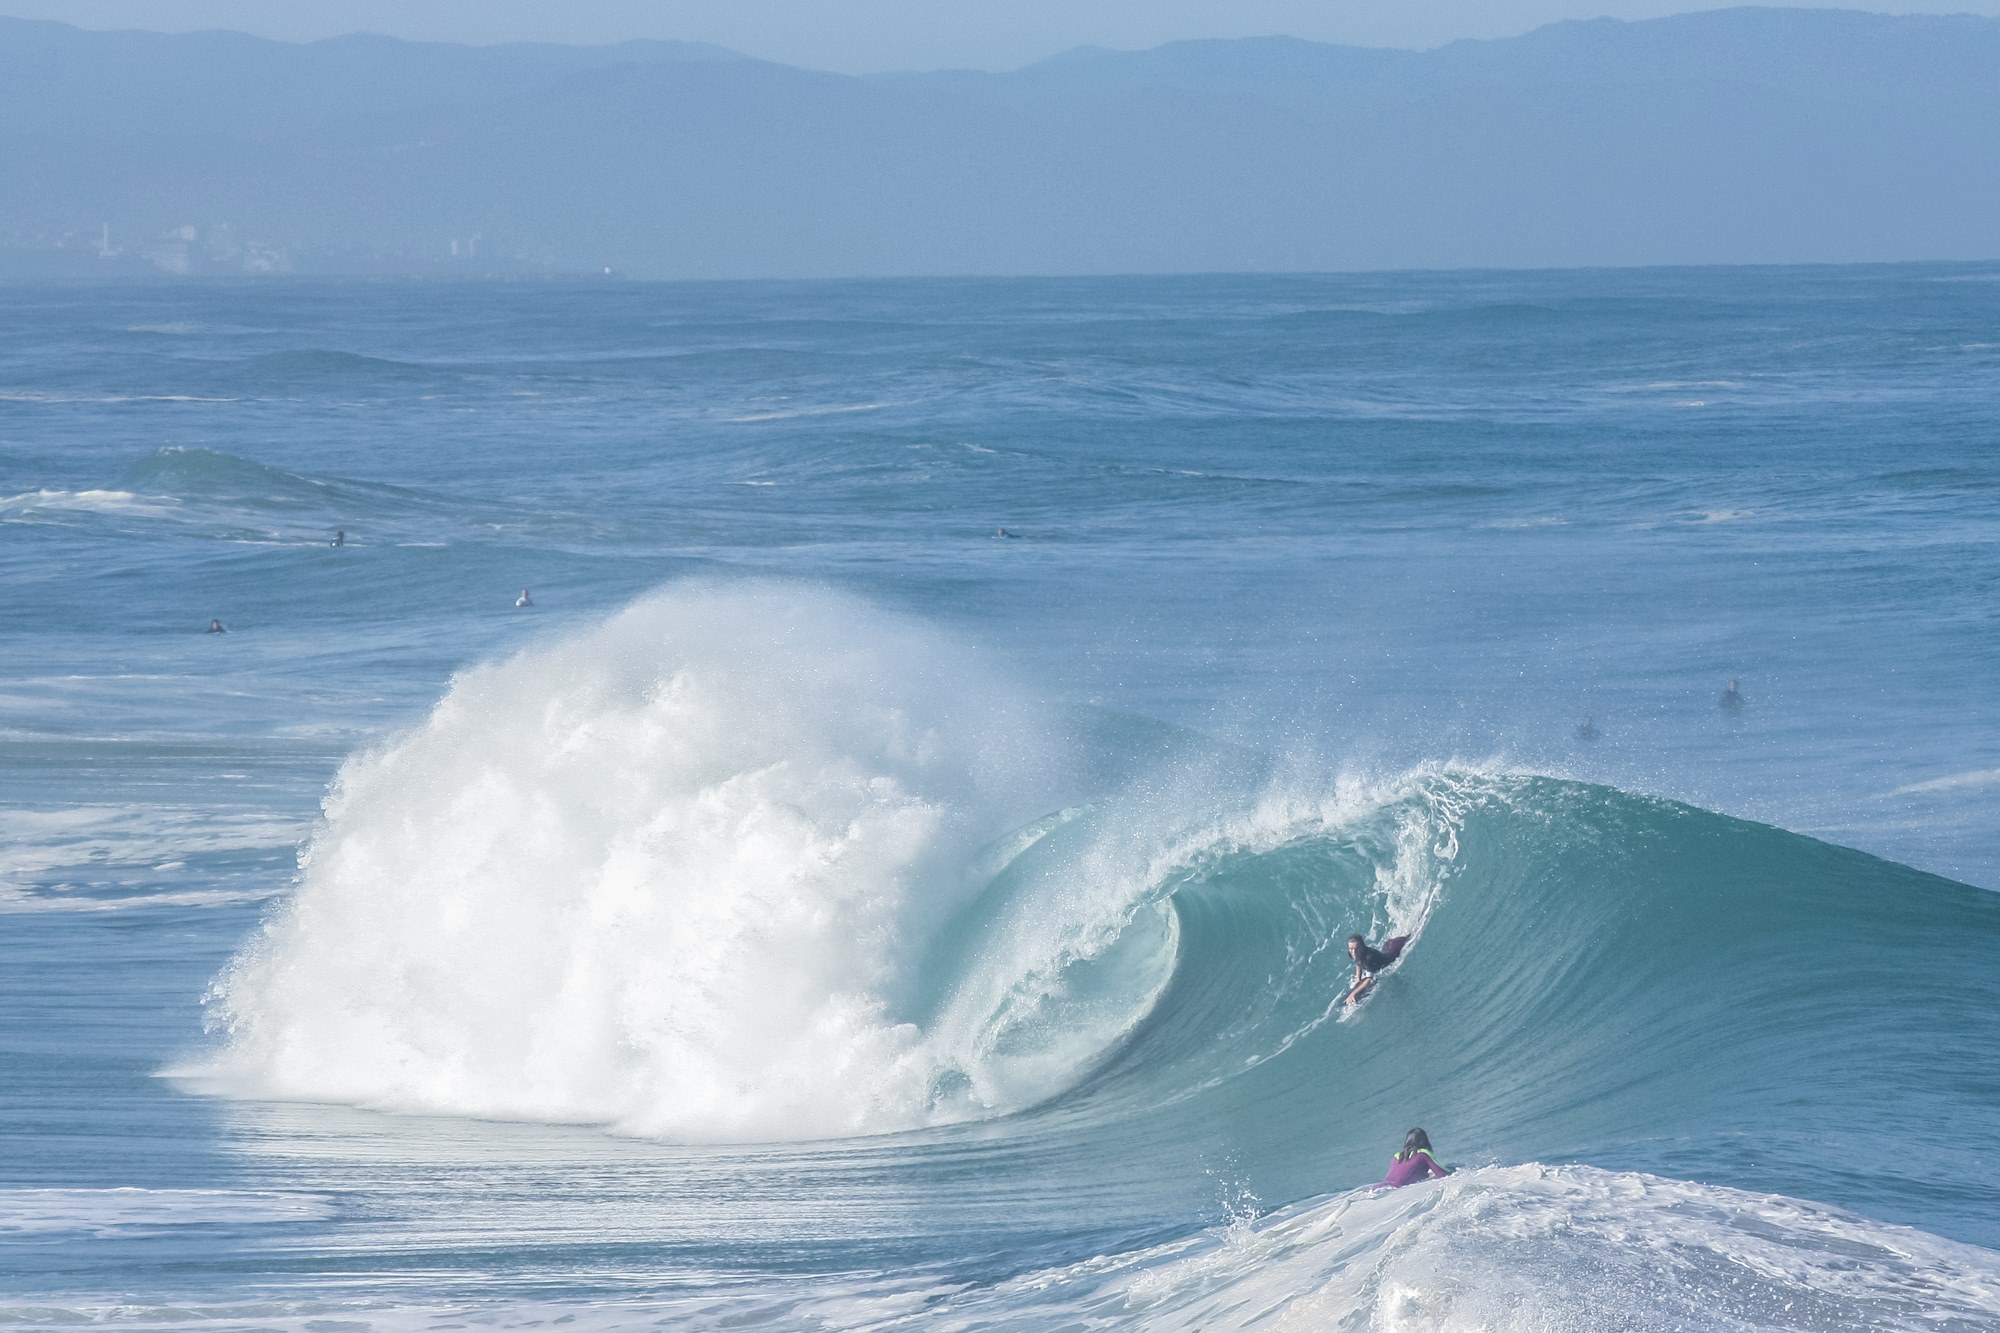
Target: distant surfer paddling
{"points": [[1414, 1163], [1368, 961]]}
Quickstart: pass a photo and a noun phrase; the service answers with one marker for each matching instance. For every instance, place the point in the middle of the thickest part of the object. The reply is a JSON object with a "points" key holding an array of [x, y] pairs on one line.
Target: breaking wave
{"points": [[760, 863]]}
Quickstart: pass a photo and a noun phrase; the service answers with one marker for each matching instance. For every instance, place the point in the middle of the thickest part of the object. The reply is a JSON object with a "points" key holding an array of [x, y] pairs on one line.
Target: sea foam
{"points": [[676, 874]]}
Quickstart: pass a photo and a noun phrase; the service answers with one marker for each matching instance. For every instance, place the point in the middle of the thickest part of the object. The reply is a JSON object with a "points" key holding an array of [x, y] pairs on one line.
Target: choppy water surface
{"points": [[817, 909]]}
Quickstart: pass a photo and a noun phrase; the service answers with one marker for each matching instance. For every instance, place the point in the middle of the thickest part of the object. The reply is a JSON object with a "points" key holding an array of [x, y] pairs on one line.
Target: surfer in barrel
{"points": [[1414, 1162], [1368, 961]]}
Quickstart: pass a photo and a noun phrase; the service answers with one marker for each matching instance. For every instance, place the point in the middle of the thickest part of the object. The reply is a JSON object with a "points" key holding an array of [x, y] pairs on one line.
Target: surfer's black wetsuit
{"points": [[1370, 959]]}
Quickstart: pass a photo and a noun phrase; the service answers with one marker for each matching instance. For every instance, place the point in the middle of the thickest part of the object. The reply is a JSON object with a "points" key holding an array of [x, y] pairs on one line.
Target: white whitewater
{"points": [[674, 875]]}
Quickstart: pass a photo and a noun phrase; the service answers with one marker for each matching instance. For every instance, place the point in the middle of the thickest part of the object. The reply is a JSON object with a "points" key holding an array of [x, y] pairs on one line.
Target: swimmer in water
{"points": [[215, 627], [524, 599], [1732, 698], [1002, 532], [339, 538], [1414, 1163], [1586, 730], [1367, 962]]}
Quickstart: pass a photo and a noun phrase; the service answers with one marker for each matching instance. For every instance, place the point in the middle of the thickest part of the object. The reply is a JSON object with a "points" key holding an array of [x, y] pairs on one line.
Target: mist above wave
{"points": [[675, 874]]}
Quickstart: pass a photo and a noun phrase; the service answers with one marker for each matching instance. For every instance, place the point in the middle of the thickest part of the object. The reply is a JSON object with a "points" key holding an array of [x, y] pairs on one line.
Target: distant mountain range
{"points": [[1732, 136]]}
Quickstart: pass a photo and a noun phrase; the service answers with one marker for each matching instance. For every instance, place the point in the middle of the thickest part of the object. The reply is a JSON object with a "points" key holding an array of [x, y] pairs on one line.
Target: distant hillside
{"points": [[1747, 135]]}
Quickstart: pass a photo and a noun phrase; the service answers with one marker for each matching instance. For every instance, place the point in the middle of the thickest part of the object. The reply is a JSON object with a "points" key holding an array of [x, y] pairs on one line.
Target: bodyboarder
{"points": [[1368, 961], [1414, 1162]]}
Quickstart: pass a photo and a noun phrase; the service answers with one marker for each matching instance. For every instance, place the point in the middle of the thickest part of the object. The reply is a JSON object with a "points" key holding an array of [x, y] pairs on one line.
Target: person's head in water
{"points": [[1355, 944], [1414, 1142]]}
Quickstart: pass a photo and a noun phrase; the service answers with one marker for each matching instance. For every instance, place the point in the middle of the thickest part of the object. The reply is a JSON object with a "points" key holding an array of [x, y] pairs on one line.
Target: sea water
{"points": [[895, 869]]}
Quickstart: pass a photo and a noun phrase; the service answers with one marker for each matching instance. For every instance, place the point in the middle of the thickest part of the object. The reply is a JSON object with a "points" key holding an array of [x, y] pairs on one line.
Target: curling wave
{"points": [[758, 863]]}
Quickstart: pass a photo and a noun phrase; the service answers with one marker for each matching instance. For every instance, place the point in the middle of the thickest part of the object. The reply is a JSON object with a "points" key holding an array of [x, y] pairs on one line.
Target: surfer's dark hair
{"points": [[1415, 1141], [1357, 939]]}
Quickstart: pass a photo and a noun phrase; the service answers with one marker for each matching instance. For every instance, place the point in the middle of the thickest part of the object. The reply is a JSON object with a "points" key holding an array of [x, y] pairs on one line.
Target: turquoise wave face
{"points": [[1593, 976]]}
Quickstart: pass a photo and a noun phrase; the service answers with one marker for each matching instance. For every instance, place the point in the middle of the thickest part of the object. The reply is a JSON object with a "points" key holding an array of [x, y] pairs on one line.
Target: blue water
{"points": [[817, 910]]}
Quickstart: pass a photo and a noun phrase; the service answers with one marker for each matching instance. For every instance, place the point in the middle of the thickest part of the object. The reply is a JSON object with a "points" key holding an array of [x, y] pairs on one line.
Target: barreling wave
{"points": [[756, 863]]}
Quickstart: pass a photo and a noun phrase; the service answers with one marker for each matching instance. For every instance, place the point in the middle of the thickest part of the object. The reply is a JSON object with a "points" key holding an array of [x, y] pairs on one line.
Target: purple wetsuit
{"points": [[1419, 1165]]}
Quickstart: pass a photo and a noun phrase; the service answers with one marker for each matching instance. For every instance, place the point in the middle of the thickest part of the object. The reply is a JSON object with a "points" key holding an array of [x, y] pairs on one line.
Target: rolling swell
{"points": [[205, 476], [755, 864]]}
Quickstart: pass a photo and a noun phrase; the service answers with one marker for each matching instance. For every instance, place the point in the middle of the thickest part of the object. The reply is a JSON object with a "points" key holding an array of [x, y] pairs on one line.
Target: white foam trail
{"points": [[121, 1211], [33, 396], [788, 414], [675, 875], [1972, 778], [29, 503], [63, 859]]}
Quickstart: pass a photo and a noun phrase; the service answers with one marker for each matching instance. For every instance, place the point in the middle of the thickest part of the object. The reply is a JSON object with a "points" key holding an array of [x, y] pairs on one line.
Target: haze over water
{"points": [[818, 909]]}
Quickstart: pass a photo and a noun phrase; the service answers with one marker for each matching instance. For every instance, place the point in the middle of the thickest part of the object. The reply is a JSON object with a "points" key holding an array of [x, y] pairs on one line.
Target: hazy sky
{"points": [[862, 36]]}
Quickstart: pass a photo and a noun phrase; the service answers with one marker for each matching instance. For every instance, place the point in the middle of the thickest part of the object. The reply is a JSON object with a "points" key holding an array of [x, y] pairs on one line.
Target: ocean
{"points": [[892, 868]]}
